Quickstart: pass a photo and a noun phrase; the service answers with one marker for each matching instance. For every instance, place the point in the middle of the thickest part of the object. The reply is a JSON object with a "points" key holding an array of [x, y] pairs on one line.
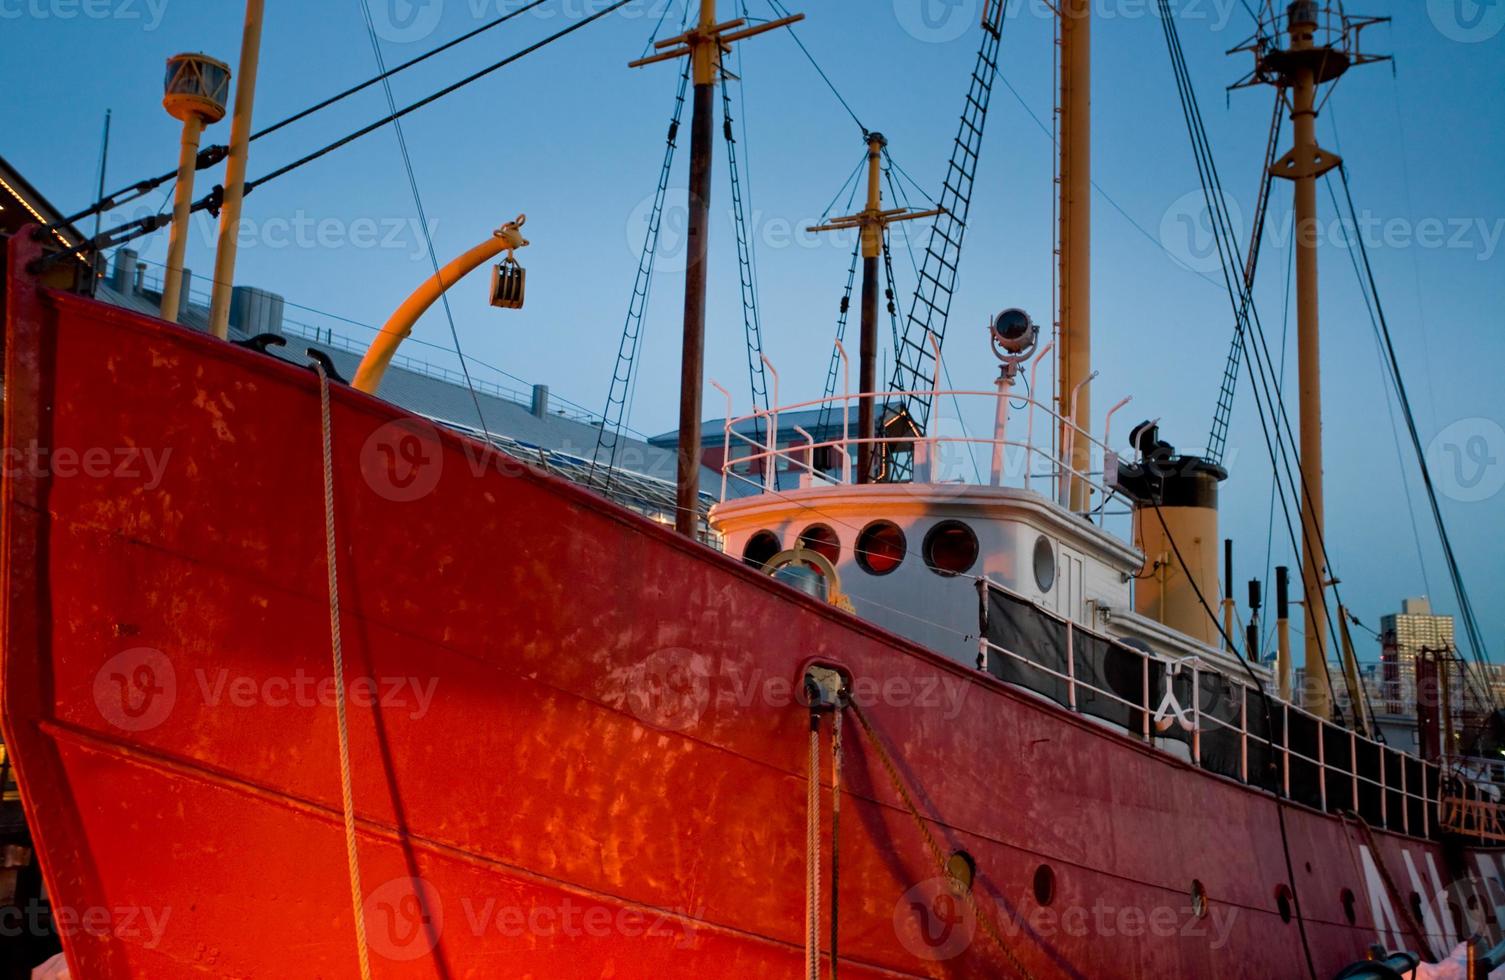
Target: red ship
{"points": [[334, 691]]}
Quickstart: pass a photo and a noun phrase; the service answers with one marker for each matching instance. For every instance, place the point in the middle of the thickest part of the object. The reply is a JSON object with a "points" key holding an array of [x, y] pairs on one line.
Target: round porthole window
{"points": [[881, 547], [950, 548], [823, 541], [1045, 563], [1346, 896], [760, 547]]}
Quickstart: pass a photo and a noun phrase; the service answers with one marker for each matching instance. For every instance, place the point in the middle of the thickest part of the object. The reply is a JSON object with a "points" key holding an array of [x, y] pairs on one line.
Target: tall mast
{"points": [[1320, 47], [1309, 164], [1074, 250], [872, 220], [235, 172], [703, 45]]}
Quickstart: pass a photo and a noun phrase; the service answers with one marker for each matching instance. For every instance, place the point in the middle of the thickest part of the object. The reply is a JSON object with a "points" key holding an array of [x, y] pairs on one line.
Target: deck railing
{"points": [[752, 442], [1254, 737]]}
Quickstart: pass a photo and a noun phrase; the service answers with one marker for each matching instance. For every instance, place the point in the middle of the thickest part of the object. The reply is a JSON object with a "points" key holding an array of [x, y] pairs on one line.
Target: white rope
{"points": [[812, 857], [347, 797]]}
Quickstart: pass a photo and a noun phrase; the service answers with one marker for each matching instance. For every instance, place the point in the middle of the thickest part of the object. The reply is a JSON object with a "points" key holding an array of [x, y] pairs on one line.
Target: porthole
{"points": [[1347, 898], [881, 547], [760, 547], [950, 548], [1045, 884], [961, 869], [822, 540], [1283, 902], [1415, 903], [1198, 898], [1045, 563]]}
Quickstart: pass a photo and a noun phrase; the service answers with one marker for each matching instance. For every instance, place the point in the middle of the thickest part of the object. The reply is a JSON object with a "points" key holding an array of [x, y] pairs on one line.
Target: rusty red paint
{"points": [[583, 755]]}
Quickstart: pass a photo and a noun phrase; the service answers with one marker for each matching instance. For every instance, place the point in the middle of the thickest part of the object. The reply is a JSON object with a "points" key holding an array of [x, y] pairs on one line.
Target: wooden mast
{"points": [[704, 45], [872, 220]]}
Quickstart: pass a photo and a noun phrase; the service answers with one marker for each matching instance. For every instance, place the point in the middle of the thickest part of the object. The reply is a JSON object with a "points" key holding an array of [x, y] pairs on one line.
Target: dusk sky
{"points": [[574, 138]]}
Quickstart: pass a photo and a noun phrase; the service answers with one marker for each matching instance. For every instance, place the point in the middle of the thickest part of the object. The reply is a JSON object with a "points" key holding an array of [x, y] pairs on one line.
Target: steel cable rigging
{"points": [[1382, 328], [1261, 367], [625, 372], [211, 201], [428, 238], [211, 155]]}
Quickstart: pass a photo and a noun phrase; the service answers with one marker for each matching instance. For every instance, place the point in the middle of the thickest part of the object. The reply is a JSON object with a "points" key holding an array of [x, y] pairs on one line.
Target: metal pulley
{"points": [[508, 278]]}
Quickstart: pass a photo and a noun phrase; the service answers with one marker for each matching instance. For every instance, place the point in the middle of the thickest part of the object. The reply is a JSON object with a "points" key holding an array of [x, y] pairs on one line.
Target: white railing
{"points": [[1338, 786], [1034, 466]]}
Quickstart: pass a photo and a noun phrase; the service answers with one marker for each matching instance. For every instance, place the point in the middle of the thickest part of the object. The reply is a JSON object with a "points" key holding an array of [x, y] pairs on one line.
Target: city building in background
{"points": [[1403, 637]]}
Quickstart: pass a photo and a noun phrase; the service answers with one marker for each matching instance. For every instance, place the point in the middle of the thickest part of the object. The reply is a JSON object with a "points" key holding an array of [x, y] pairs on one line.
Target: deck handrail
{"points": [[1338, 786]]}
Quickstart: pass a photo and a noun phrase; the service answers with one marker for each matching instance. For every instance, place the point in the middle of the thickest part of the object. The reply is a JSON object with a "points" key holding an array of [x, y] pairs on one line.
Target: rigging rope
{"points": [[1465, 604], [835, 834], [930, 305], [211, 201], [834, 368], [1264, 698], [812, 853], [423, 223], [931, 845], [624, 374], [752, 325], [780, 11], [211, 155], [1247, 313], [347, 795]]}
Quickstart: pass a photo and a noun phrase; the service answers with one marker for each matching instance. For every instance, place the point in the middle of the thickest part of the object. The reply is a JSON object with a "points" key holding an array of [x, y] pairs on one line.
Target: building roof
{"points": [[809, 419]]}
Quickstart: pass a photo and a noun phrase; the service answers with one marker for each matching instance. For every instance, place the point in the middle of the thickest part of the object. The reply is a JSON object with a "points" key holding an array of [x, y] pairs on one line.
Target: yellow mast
{"points": [[195, 95], [1313, 562], [1320, 46], [872, 220], [235, 172], [1074, 250]]}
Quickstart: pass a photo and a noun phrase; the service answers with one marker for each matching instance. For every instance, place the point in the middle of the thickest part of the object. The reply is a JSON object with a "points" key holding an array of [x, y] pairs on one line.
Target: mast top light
{"points": [[196, 86]]}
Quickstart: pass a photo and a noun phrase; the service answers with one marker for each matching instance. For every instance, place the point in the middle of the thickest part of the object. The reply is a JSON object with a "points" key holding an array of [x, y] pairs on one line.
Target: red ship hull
{"points": [[575, 748]]}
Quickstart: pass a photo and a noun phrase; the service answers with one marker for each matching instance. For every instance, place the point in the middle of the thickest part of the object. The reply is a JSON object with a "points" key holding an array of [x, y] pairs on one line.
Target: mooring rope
{"points": [[835, 830], [347, 796], [812, 855], [930, 842]]}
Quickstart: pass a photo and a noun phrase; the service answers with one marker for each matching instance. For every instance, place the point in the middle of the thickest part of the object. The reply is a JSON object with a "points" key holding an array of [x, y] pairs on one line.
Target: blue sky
{"points": [[574, 138]]}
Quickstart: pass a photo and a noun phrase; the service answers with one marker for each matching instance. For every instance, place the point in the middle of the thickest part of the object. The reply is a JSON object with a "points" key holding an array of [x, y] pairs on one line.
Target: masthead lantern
{"points": [[196, 85], [195, 92]]}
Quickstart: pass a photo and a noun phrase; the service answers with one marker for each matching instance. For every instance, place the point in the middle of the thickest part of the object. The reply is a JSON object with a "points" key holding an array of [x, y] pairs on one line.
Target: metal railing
{"points": [[561, 407], [1288, 750], [1472, 818], [1013, 461]]}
